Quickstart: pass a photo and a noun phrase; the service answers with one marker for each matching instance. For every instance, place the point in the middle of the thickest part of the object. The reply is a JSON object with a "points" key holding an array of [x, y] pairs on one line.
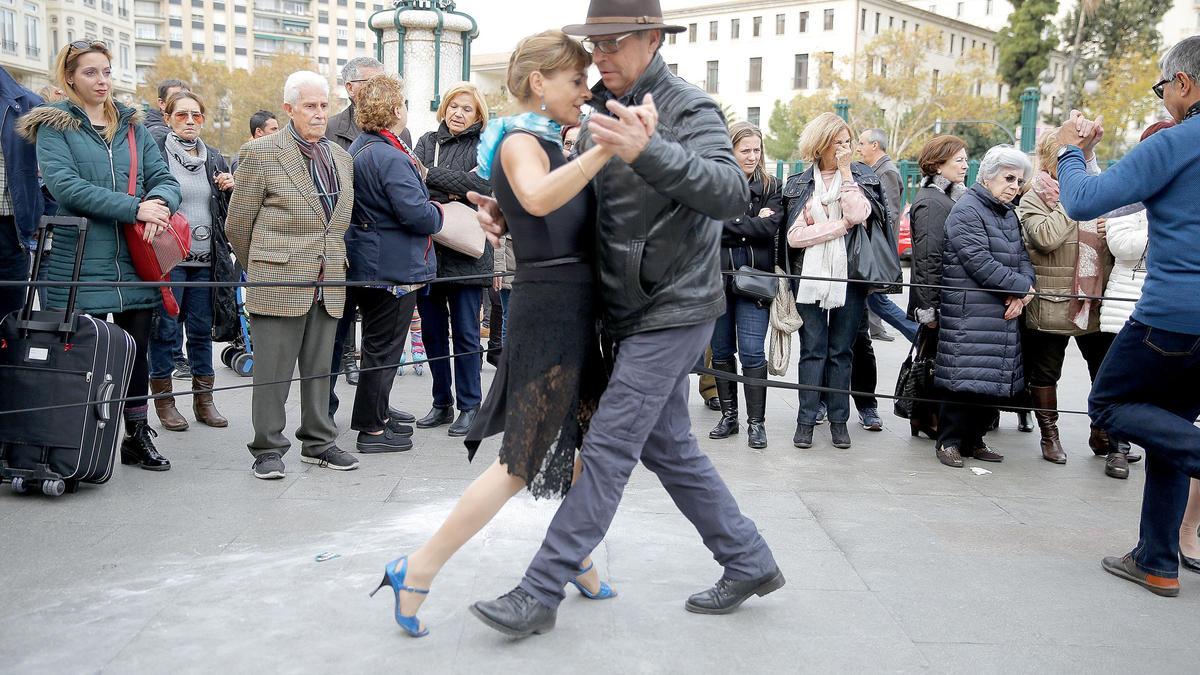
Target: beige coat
{"points": [[278, 229], [1052, 239]]}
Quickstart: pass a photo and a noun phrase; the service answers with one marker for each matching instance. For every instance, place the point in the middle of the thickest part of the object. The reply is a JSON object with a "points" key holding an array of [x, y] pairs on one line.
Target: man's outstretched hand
{"points": [[489, 217]]}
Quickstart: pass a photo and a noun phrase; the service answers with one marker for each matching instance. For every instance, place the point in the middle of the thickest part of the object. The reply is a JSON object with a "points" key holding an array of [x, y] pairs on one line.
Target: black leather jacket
{"points": [[798, 190], [749, 239], [660, 219]]}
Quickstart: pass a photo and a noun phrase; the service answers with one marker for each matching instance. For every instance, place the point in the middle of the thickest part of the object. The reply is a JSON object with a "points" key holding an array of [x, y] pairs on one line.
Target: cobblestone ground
{"points": [[893, 562]]}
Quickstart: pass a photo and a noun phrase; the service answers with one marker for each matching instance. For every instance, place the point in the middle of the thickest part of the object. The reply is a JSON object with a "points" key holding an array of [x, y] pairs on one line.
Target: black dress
{"points": [[551, 372]]}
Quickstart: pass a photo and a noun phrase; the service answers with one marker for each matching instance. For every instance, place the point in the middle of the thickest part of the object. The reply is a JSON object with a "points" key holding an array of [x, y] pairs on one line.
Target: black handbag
{"points": [[749, 282], [915, 379], [871, 255]]}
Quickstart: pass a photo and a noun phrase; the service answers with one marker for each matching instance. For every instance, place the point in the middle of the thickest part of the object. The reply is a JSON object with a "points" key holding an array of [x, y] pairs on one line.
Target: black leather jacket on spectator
{"points": [[660, 219], [450, 181], [749, 239], [799, 189], [927, 222]]}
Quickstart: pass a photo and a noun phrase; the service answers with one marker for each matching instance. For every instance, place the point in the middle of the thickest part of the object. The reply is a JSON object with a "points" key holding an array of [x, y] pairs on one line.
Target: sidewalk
{"points": [[894, 563]]}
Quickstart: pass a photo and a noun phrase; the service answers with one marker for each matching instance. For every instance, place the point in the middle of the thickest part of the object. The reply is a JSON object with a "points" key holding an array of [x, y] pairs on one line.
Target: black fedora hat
{"points": [[607, 17]]}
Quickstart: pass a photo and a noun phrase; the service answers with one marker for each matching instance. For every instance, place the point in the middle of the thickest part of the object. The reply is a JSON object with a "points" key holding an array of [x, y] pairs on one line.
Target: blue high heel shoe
{"points": [[395, 578], [604, 593]]}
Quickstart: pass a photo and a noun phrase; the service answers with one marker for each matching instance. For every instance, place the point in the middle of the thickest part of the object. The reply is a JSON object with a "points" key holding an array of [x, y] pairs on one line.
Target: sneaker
{"points": [[822, 413], [334, 458], [869, 417], [388, 441], [182, 371], [268, 466], [882, 335]]}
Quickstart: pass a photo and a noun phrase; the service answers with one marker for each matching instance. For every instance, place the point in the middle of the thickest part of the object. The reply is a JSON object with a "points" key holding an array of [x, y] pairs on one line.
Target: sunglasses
{"points": [[84, 45], [1159, 87], [611, 46], [188, 115], [1012, 178]]}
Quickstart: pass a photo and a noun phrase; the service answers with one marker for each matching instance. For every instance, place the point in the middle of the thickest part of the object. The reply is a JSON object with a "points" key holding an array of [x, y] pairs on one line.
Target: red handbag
{"points": [[154, 260]]}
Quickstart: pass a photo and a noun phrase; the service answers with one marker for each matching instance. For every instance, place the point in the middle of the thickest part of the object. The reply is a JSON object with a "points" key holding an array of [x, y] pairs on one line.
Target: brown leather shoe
{"points": [[1127, 569], [1046, 398], [168, 415], [1117, 465], [949, 456], [202, 403], [985, 454]]}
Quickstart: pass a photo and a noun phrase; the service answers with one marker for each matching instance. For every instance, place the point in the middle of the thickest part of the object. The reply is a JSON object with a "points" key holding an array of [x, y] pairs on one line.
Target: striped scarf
{"points": [[320, 167]]}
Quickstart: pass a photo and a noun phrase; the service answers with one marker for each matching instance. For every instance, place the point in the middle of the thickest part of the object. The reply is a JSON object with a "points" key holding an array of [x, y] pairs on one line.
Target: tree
{"points": [[1025, 44], [230, 97], [1124, 99], [788, 120], [894, 89], [1109, 31]]}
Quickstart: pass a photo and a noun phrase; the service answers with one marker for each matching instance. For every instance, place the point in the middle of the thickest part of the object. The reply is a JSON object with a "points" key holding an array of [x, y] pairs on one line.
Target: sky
{"points": [[503, 22]]}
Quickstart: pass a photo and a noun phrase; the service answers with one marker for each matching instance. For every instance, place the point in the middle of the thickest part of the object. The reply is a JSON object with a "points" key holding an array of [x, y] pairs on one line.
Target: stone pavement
{"points": [[894, 563]]}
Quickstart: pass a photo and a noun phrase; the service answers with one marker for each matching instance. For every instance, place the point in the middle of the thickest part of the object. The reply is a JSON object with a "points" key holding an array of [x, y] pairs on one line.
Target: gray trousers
{"points": [[643, 415], [280, 343]]}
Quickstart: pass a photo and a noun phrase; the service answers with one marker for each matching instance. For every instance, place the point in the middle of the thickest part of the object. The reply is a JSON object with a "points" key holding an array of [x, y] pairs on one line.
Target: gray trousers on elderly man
{"points": [[280, 345], [643, 415]]}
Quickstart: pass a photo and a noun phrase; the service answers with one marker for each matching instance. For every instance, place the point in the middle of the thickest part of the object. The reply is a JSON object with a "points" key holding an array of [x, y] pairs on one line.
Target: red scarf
{"points": [[397, 143]]}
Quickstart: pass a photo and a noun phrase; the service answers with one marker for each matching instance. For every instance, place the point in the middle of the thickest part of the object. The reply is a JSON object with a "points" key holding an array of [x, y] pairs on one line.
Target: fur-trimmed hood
{"points": [[65, 115]]}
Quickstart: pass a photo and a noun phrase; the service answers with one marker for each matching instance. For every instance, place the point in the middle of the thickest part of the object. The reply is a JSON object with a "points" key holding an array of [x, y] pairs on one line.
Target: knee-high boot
{"points": [[727, 394], [756, 408], [1046, 398]]}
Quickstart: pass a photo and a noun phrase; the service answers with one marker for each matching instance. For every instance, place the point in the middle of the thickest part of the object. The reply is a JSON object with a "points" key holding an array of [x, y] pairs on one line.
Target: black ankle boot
{"points": [[138, 449], [803, 437], [727, 393], [756, 408]]}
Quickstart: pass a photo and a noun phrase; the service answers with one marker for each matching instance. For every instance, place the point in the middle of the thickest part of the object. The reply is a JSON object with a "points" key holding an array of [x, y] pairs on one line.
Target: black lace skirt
{"points": [[550, 378]]}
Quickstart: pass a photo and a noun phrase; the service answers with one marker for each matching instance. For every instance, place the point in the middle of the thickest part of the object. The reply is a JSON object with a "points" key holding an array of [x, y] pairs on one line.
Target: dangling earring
{"points": [[543, 104]]}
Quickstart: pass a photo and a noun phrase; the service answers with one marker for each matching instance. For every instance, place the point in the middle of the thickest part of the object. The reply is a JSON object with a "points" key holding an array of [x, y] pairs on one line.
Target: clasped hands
{"points": [[1015, 305], [155, 217], [1081, 132]]}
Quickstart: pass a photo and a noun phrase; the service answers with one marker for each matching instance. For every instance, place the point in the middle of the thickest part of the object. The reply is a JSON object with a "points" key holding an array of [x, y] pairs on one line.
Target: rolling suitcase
{"points": [[52, 358]]}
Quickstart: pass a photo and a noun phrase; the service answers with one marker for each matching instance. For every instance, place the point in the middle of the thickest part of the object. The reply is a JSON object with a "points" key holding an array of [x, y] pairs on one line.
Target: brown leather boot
{"points": [[1099, 442], [1047, 399], [168, 415], [202, 403]]}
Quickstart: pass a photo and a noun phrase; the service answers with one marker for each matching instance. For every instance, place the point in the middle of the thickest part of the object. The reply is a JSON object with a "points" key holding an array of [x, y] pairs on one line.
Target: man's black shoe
{"points": [[437, 417], [463, 424], [399, 429], [388, 441], [517, 614], [727, 595], [401, 416]]}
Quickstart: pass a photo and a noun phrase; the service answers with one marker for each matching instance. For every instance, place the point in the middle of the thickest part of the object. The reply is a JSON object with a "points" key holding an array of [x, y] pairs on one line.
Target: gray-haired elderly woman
{"points": [[979, 336]]}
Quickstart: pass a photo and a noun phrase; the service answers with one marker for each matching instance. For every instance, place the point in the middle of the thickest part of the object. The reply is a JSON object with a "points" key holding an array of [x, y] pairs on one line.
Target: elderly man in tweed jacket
{"points": [[287, 217]]}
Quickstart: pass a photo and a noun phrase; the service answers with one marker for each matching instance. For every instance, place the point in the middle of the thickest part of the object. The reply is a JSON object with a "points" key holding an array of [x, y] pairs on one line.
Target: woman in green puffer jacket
{"points": [[84, 156]]}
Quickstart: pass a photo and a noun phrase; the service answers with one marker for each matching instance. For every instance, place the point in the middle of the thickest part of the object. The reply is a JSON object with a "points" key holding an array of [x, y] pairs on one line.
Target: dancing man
{"points": [[661, 203]]}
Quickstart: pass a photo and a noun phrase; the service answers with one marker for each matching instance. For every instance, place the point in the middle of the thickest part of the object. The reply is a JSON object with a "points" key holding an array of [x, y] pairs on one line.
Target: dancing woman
{"points": [[551, 374]]}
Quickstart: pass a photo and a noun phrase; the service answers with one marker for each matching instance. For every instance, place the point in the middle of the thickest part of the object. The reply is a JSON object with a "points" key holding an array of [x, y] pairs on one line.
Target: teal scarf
{"points": [[539, 125]]}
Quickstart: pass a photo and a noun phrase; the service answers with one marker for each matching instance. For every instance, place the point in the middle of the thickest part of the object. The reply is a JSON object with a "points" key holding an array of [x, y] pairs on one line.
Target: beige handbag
{"points": [[460, 231]]}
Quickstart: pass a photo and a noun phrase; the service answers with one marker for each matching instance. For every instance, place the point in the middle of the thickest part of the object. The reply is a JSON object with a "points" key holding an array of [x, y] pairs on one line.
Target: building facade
{"points": [[24, 52]]}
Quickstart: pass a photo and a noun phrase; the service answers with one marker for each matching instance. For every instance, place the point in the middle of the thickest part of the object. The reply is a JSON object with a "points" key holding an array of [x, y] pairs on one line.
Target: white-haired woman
{"points": [[990, 280]]}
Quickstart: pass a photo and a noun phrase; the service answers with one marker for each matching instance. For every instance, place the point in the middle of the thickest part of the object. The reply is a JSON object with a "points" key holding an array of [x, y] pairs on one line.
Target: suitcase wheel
{"points": [[19, 486], [227, 355], [244, 365], [53, 488]]}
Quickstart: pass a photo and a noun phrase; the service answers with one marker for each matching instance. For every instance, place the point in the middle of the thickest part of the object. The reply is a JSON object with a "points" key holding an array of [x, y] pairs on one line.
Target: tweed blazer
{"points": [[278, 229]]}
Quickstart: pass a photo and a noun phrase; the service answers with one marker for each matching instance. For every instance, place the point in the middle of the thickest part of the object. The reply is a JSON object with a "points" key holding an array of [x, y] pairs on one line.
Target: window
{"points": [[341, 22], [322, 17], [962, 45], [674, 68], [755, 83], [800, 79], [891, 22], [877, 18], [197, 25], [952, 43], [829, 19], [904, 25], [671, 39], [754, 115], [124, 59], [735, 28], [863, 23], [33, 37], [936, 75], [198, 47], [691, 32], [959, 9], [710, 83], [757, 26], [780, 23], [883, 69], [803, 22], [323, 40], [987, 7], [712, 31]]}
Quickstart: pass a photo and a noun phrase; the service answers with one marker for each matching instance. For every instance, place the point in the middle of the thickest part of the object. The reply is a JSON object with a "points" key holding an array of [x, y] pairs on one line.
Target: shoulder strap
{"points": [[437, 150], [133, 163]]}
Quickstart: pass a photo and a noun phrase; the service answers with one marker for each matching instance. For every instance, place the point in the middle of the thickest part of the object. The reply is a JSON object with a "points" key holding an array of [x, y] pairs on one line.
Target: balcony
{"points": [[33, 52], [286, 28], [147, 10], [106, 7], [282, 7], [149, 36], [8, 46]]}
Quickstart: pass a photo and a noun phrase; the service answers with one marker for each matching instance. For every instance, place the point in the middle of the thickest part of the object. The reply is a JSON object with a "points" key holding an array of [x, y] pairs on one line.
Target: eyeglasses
{"points": [[610, 46], [188, 115], [1161, 86], [83, 45], [1012, 178]]}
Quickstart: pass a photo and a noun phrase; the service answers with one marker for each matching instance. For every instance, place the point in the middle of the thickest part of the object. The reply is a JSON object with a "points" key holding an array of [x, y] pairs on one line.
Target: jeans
{"points": [[386, 319], [195, 318], [827, 354], [1146, 393], [643, 415], [864, 370], [14, 266], [453, 312], [741, 330], [887, 310]]}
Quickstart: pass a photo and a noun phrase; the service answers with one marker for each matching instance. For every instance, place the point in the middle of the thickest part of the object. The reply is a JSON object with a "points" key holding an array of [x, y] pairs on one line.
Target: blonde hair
{"points": [[377, 101], [547, 52], [739, 132], [1047, 152], [481, 106], [174, 99], [819, 134], [65, 65]]}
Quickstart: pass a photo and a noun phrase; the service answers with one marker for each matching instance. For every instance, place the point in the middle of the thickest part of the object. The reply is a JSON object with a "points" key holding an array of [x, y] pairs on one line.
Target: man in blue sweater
{"points": [[1148, 390]]}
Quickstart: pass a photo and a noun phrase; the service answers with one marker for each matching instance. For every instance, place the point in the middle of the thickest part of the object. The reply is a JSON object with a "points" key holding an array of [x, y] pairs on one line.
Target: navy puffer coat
{"points": [[979, 352]]}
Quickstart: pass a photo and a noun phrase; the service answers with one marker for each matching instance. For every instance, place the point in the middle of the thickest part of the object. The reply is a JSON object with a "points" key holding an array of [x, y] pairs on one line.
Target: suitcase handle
{"points": [[45, 226], [103, 405]]}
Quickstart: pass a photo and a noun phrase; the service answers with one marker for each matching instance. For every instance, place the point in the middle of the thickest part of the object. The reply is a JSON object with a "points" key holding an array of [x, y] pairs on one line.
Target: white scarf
{"points": [[827, 259]]}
